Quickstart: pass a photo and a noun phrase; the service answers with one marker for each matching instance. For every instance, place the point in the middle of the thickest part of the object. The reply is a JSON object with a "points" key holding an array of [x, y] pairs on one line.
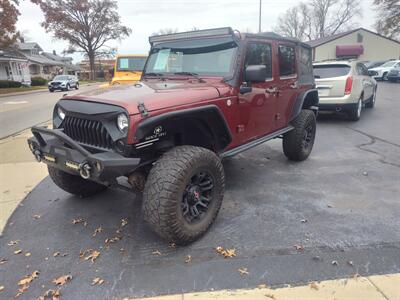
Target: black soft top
{"points": [[274, 36]]}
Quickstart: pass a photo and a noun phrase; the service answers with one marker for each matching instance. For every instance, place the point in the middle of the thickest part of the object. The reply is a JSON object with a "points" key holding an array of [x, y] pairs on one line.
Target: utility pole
{"points": [[259, 19]]}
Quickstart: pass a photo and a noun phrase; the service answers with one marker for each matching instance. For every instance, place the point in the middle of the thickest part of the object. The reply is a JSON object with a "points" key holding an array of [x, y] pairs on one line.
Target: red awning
{"points": [[349, 50]]}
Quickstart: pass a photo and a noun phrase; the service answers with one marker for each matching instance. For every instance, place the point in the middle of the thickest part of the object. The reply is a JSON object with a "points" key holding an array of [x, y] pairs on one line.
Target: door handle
{"points": [[271, 90]]}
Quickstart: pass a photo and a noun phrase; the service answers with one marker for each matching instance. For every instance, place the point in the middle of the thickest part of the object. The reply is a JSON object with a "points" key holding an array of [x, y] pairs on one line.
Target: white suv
{"points": [[344, 86], [382, 71]]}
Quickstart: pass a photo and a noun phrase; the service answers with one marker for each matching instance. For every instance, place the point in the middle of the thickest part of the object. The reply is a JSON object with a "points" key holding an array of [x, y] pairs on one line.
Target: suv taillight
{"points": [[348, 86]]}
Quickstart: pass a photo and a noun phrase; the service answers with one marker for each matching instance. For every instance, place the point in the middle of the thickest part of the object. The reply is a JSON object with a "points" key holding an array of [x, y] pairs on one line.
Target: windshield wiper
{"points": [[195, 75], [159, 75]]}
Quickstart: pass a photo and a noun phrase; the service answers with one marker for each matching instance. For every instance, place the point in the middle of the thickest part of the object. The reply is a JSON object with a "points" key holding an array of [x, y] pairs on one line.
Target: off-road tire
{"points": [[371, 102], [165, 185], [74, 184], [293, 141], [355, 114]]}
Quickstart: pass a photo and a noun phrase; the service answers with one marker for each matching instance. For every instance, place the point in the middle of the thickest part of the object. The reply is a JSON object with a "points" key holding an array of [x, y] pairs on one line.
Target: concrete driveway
{"points": [[335, 215]]}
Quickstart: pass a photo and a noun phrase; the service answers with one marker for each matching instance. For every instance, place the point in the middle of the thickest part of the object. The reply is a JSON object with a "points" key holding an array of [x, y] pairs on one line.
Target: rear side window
{"points": [[259, 54], [287, 60], [328, 71], [305, 61]]}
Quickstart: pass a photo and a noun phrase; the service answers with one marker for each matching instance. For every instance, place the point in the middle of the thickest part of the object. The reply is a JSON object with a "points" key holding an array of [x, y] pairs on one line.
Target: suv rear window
{"points": [[328, 71]]}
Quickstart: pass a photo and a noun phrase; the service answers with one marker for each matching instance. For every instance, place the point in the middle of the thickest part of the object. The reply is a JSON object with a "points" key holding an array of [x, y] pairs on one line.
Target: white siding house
{"points": [[14, 66]]}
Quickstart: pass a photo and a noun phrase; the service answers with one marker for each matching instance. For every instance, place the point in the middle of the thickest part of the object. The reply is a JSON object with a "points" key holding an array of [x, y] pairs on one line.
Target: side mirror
{"points": [[255, 73]]}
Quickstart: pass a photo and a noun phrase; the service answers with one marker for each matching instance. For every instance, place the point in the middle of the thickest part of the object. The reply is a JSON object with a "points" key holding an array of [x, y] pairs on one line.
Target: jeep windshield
{"points": [[198, 57]]}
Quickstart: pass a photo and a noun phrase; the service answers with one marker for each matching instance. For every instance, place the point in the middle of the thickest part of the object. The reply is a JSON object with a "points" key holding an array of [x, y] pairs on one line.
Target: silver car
{"points": [[344, 86], [63, 83]]}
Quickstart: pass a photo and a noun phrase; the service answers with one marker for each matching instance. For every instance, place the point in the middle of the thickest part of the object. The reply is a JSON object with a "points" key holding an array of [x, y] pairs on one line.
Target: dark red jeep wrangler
{"points": [[204, 96]]}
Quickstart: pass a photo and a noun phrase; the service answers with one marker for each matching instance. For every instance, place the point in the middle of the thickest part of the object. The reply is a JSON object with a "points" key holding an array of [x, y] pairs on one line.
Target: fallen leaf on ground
{"points": [[270, 296], [54, 294], [355, 276], [21, 290], [156, 252], [79, 221], [112, 240], [96, 231], [227, 253], [3, 261], [299, 247], [36, 217], [262, 286], [243, 271], [314, 286], [124, 222], [90, 254], [334, 263], [172, 245], [350, 263], [1, 288], [28, 278], [12, 243], [28, 254], [62, 279], [55, 254], [303, 221], [97, 281], [18, 251], [188, 259]]}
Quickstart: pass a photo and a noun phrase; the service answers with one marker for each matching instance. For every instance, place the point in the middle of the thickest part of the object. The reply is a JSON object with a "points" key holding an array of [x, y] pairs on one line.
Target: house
{"points": [[39, 65], [359, 43], [68, 66], [14, 66], [104, 68]]}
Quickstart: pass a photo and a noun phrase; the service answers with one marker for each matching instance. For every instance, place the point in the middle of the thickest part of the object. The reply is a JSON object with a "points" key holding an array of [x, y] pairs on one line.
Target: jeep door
{"points": [[257, 107], [287, 82]]}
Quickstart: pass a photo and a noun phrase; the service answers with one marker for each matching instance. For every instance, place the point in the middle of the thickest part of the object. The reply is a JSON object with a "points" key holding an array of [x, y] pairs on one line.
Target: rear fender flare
{"points": [[306, 100]]}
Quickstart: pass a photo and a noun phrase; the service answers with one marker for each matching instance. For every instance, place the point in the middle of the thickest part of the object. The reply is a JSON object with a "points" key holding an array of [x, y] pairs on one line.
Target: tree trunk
{"points": [[92, 75]]}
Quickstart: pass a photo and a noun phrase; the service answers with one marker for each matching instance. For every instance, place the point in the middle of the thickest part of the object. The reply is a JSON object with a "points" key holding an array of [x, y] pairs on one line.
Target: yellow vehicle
{"points": [[128, 68]]}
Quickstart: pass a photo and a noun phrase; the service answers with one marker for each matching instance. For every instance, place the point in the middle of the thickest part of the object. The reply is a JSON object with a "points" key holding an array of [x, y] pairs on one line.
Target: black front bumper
{"points": [[55, 148]]}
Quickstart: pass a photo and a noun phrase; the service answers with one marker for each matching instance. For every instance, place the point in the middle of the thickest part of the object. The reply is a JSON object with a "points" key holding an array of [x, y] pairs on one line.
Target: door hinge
{"points": [[142, 109]]}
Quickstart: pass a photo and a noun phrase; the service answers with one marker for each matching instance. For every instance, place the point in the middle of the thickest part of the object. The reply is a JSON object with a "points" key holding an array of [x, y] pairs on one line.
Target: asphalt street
{"points": [[19, 112], [334, 215]]}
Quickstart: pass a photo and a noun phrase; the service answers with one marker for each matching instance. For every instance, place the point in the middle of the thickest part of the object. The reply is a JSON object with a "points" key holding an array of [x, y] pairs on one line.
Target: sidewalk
{"points": [[19, 173], [43, 90], [380, 287]]}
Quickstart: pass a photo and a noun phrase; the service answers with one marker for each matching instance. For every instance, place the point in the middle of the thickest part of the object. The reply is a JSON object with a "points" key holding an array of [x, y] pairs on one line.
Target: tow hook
{"points": [[84, 170], [38, 155]]}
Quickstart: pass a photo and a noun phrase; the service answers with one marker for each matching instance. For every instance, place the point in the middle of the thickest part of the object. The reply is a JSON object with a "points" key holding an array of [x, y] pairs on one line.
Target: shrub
{"points": [[35, 81], [9, 84]]}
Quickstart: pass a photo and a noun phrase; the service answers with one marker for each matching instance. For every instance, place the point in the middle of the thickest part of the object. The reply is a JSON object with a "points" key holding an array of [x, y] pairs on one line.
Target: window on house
{"points": [[287, 60], [259, 54], [359, 38]]}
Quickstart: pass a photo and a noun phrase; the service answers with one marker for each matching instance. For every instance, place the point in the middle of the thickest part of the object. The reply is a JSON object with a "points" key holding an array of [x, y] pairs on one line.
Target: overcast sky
{"points": [[147, 16]]}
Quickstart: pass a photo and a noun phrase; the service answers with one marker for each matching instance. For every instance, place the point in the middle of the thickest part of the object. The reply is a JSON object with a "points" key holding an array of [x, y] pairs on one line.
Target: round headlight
{"points": [[122, 122], [60, 113]]}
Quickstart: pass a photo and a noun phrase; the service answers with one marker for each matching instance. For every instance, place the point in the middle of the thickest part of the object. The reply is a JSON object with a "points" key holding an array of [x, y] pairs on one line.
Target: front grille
{"points": [[89, 132]]}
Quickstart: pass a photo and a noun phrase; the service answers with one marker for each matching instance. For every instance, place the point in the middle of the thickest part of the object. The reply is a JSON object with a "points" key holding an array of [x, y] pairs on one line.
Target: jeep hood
{"points": [[155, 95]]}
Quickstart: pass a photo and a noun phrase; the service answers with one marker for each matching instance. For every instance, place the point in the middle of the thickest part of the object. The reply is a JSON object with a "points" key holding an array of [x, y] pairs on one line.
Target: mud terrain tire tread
{"points": [[292, 141], [164, 187], [74, 184]]}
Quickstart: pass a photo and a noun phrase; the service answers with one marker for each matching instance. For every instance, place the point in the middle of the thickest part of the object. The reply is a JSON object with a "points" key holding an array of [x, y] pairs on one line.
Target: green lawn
{"points": [[21, 89]]}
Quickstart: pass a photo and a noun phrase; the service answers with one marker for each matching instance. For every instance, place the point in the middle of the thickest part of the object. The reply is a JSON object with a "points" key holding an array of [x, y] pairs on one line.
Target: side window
{"points": [[287, 60], [364, 70], [259, 54]]}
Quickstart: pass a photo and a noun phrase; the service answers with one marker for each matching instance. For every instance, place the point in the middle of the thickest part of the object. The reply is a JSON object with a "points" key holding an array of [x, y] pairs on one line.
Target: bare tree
{"points": [[8, 18], [86, 24], [388, 18], [318, 18], [165, 31]]}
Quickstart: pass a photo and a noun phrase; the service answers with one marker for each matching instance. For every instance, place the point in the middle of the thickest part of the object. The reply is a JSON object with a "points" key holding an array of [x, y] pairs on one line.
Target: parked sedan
{"points": [[381, 72], [63, 83], [394, 75], [344, 86]]}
